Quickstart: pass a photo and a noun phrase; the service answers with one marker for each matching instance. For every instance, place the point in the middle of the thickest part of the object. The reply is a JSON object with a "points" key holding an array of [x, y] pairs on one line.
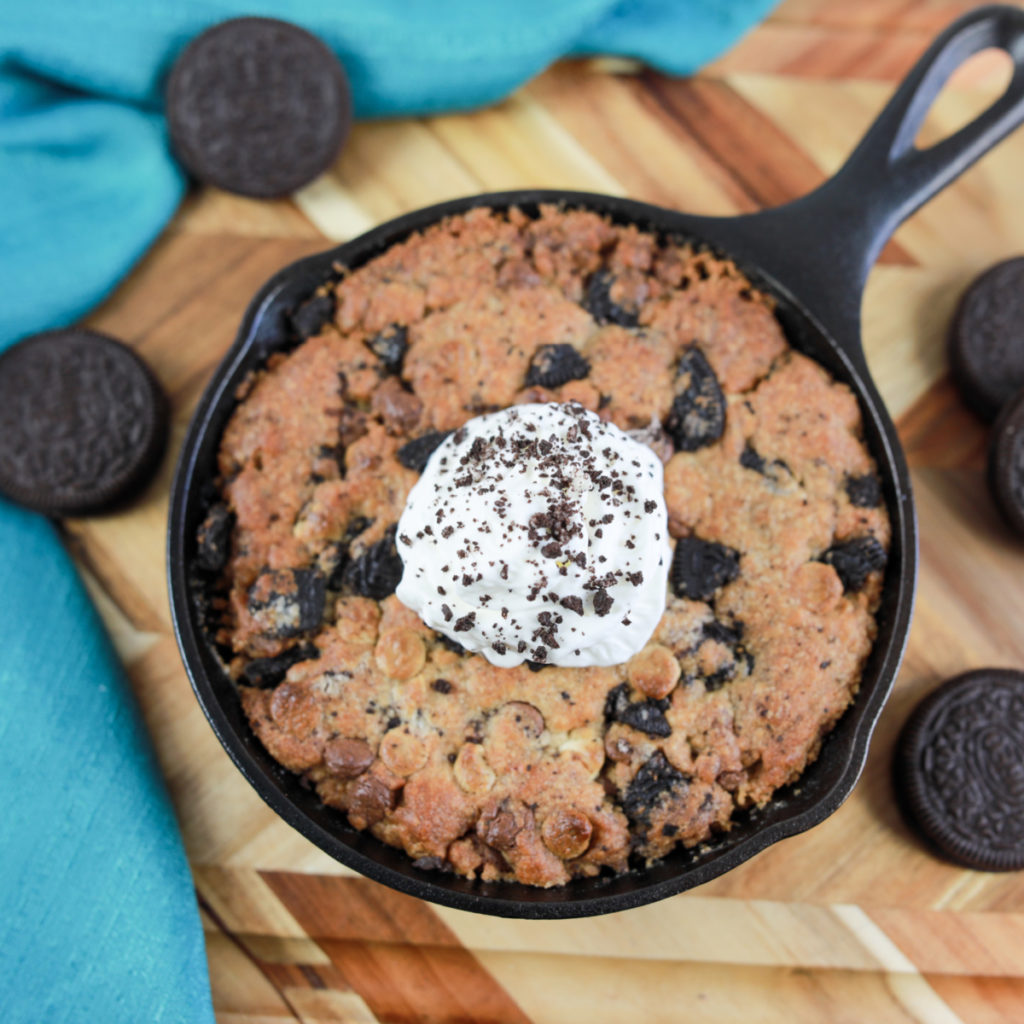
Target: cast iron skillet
{"points": [[814, 256]]}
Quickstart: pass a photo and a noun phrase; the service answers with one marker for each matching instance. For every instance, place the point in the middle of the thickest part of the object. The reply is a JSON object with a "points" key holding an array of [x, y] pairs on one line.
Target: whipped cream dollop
{"points": [[538, 533]]}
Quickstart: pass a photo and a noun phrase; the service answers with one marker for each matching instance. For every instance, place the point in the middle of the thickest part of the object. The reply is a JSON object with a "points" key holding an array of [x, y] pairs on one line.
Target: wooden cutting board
{"points": [[853, 921]]}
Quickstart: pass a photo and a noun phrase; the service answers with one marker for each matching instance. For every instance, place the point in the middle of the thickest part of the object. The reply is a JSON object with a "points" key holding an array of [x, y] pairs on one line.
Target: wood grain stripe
{"points": [[767, 166], [939, 431], [358, 909], [412, 984], [394, 951]]}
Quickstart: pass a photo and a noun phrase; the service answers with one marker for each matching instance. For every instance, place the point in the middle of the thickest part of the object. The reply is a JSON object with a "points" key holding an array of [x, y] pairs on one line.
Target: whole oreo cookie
{"points": [[258, 106], [986, 342], [83, 423], [960, 771], [1006, 463]]}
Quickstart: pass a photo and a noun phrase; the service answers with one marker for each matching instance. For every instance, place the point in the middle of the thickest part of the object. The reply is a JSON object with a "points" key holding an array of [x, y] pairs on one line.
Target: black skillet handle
{"points": [[821, 247]]}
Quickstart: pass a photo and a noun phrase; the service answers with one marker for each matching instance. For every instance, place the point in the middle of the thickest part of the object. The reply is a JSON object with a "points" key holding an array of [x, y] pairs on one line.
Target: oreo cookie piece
{"points": [[646, 715], [377, 571], [1006, 463], [286, 602], [730, 637], [257, 106], [959, 773], [555, 365], [313, 315], [854, 560], [986, 340], [266, 673], [415, 454], [864, 491], [389, 347], [697, 417], [700, 567], [656, 778], [213, 538], [597, 301], [83, 422]]}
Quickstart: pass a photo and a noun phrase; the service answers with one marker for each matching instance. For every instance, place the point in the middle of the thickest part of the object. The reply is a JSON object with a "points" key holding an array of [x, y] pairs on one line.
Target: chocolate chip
{"points": [[266, 673], [655, 778], [257, 106], [309, 319], [527, 717], [441, 686], [347, 758], [555, 365], [854, 560], [389, 347], [416, 453], [371, 799], [864, 491], [697, 417], [567, 833], [378, 571], [213, 538], [597, 301], [500, 828], [700, 567]]}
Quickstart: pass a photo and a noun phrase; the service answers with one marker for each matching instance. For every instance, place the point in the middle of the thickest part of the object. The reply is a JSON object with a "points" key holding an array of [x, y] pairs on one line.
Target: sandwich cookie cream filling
{"points": [[538, 533]]}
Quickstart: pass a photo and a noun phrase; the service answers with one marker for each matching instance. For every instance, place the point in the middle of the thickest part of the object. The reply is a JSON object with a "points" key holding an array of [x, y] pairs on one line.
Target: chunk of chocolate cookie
{"points": [[597, 301], [864, 491], [266, 673], [83, 423], [656, 778], [646, 715], [1006, 463], [700, 567], [555, 365], [986, 340], [257, 106], [286, 602], [854, 560], [390, 346], [377, 571], [959, 772], [310, 318], [697, 417], [730, 637], [416, 453], [213, 538]]}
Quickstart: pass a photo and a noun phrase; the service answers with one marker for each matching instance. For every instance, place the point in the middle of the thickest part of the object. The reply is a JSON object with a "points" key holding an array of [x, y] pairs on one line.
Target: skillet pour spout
{"points": [[813, 256]]}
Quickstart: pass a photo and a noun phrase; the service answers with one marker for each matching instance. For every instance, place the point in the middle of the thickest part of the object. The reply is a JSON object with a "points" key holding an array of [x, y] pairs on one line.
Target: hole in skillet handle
{"points": [[969, 91]]}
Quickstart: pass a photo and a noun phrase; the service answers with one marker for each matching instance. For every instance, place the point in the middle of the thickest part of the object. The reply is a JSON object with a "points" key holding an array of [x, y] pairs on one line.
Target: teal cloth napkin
{"points": [[97, 912]]}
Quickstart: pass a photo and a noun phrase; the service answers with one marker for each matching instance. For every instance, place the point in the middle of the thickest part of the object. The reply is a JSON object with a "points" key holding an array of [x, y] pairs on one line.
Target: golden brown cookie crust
{"points": [[542, 776]]}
